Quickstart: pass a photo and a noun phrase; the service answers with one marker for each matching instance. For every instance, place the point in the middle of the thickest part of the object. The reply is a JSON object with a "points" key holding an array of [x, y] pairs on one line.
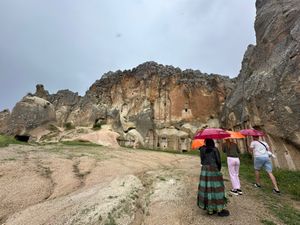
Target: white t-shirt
{"points": [[258, 149]]}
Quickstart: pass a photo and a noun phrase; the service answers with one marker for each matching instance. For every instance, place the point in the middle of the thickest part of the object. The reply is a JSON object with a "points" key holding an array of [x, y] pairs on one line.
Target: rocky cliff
{"points": [[151, 106], [267, 95], [152, 102], [156, 106]]}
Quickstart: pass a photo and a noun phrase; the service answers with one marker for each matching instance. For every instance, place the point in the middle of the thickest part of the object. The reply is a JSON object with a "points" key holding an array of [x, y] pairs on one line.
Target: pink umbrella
{"points": [[252, 132], [211, 133]]}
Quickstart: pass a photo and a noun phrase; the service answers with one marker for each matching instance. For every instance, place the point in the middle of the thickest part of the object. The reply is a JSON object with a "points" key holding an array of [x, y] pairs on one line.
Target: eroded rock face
{"points": [[152, 97], [139, 104], [267, 94], [30, 113], [4, 116]]}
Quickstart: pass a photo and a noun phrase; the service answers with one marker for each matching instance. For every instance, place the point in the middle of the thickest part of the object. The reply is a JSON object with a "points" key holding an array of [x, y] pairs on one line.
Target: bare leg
{"points": [[257, 177], [273, 179]]}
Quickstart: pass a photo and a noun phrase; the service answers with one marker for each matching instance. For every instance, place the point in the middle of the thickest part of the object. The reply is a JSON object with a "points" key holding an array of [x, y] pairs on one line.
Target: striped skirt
{"points": [[211, 190]]}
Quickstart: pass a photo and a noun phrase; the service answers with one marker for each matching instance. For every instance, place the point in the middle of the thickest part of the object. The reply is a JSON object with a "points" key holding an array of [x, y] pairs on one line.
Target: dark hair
{"points": [[209, 143]]}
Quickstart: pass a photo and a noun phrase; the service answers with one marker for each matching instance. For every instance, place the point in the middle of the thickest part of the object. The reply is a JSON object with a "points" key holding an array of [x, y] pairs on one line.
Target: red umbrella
{"points": [[252, 132], [211, 133]]}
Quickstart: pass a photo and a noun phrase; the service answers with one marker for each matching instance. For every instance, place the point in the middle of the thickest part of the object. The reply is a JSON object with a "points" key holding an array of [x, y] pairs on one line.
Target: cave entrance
{"points": [[23, 138]]}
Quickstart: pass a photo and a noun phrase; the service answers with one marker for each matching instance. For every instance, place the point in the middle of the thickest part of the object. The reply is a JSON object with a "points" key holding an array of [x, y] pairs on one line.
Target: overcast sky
{"points": [[69, 44]]}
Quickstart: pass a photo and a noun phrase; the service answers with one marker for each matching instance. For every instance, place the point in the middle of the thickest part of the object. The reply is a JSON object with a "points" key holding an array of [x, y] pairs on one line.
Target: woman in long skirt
{"points": [[211, 189]]}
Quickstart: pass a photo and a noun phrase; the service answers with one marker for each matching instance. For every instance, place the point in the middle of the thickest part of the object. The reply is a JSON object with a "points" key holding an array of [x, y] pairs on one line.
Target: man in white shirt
{"points": [[261, 159]]}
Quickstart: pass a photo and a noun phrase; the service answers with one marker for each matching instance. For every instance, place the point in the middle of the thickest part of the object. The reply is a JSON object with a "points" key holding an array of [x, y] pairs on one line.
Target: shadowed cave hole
{"points": [[23, 138]]}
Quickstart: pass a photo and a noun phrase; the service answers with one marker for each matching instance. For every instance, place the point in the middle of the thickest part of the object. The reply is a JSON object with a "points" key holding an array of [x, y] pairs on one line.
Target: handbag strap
{"points": [[264, 145]]}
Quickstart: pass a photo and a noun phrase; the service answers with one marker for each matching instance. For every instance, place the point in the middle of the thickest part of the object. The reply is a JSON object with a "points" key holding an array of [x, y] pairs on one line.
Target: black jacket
{"points": [[210, 156]]}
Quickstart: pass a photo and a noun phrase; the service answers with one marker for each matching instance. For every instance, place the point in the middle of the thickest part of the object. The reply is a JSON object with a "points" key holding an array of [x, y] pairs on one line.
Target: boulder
{"points": [[30, 113]]}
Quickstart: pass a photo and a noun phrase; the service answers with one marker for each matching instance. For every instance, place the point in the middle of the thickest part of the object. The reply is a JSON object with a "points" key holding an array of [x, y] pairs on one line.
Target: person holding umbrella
{"points": [[232, 152], [211, 189]]}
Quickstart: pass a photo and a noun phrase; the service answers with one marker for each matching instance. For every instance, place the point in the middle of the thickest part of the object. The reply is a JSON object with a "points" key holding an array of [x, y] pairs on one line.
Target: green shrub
{"points": [[52, 128], [6, 140], [69, 126], [97, 126]]}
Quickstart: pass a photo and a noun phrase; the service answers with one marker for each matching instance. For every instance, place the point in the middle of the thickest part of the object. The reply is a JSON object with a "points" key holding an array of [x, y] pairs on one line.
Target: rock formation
{"points": [[267, 95], [151, 97], [152, 106], [4, 117], [31, 112], [161, 107]]}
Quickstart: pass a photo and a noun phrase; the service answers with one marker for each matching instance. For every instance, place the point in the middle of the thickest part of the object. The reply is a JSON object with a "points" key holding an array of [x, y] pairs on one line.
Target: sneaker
{"points": [[257, 185], [224, 212], [239, 191], [275, 191], [234, 192]]}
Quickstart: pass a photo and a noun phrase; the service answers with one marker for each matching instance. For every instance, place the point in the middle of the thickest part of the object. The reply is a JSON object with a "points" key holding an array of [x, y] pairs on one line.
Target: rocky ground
{"points": [[59, 184]]}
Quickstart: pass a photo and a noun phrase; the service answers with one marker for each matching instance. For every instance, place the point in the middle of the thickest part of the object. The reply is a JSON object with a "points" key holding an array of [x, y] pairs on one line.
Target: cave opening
{"points": [[23, 138]]}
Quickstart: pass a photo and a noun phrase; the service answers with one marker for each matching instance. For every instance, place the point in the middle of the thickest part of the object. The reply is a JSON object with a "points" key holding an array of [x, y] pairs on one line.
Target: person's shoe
{"points": [[276, 192], [257, 185], [223, 213], [239, 191], [234, 192]]}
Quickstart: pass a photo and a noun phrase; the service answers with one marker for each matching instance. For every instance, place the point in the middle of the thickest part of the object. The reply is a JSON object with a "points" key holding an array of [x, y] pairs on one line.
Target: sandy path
{"points": [[95, 185]]}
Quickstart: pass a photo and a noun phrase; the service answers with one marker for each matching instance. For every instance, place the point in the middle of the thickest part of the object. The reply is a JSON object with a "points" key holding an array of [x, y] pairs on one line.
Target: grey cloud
{"points": [[70, 44]]}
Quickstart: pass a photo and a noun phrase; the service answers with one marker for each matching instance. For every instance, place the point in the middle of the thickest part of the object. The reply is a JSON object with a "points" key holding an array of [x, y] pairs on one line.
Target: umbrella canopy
{"points": [[252, 132], [197, 143], [211, 133], [234, 135]]}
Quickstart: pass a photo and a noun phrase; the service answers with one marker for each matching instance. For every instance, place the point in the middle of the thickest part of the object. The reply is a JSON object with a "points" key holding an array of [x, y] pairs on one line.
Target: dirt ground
{"points": [[58, 184]]}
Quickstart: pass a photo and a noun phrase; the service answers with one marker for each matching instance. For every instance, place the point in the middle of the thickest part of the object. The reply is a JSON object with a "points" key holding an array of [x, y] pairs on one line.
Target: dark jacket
{"points": [[231, 149], [210, 156]]}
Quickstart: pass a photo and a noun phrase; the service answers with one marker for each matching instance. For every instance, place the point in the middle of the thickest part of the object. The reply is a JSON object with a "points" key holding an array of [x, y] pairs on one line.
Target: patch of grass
{"points": [[195, 152], [10, 159], [111, 220], [288, 182], [80, 143], [6, 140], [157, 150], [161, 178], [267, 222], [284, 212]]}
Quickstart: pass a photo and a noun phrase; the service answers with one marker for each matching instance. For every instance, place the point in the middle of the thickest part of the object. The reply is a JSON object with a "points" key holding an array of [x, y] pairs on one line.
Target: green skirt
{"points": [[211, 190]]}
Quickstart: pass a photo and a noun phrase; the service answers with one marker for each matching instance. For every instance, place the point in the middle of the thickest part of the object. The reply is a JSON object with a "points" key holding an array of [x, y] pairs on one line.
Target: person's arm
{"points": [[251, 148], [218, 159], [238, 149], [224, 147], [201, 154]]}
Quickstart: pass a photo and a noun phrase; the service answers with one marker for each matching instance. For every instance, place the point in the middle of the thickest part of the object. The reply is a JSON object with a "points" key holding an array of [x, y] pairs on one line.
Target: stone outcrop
{"points": [[4, 117], [152, 106], [267, 95], [151, 97], [161, 107], [30, 113]]}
